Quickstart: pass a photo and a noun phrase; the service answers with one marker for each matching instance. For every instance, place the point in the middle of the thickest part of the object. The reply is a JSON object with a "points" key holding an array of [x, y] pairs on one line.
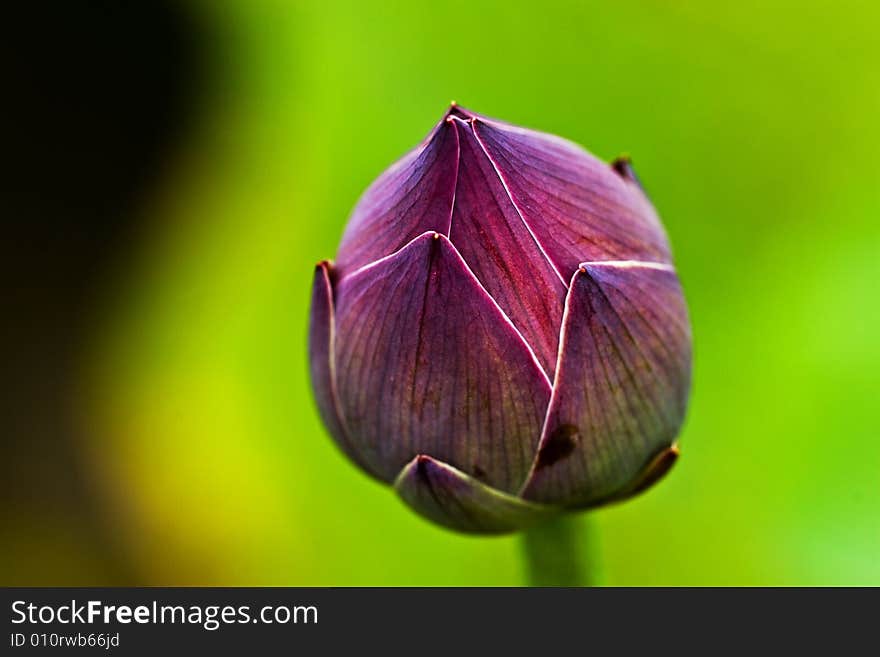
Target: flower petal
{"points": [[504, 255], [657, 468], [456, 500], [578, 207], [413, 196], [621, 386], [321, 361], [428, 364]]}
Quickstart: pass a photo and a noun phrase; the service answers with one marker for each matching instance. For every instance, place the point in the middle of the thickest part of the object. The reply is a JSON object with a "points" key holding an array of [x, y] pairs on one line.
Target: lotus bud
{"points": [[503, 336]]}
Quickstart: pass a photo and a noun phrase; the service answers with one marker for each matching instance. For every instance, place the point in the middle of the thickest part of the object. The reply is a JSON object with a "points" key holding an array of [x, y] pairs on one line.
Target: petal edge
{"points": [[322, 361], [429, 364], [621, 387], [451, 498]]}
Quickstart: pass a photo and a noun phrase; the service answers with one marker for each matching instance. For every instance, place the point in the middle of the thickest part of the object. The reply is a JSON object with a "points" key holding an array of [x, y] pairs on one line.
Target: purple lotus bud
{"points": [[503, 335]]}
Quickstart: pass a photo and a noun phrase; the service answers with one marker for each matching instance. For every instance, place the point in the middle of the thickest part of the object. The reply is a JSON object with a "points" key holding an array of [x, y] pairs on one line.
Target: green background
{"points": [[754, 129]]}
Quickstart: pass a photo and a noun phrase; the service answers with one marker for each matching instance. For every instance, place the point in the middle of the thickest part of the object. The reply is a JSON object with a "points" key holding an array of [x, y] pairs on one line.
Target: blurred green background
{"points": [[197, 452]]}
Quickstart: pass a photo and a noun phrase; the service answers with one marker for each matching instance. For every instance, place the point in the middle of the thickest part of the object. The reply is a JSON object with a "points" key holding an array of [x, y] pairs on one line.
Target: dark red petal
{"points": [[321, 361], [411, 197], [621, 388], [428, 364], [579, 208], [500, 249], [459, 501]]}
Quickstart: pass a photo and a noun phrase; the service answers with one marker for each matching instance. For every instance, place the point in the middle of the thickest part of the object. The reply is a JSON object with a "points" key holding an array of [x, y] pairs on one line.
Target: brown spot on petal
{"points": [[559, 445]]}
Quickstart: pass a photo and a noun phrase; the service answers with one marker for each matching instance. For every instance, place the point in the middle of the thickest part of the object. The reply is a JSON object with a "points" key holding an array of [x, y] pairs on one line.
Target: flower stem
{"points": [[559, 552]]}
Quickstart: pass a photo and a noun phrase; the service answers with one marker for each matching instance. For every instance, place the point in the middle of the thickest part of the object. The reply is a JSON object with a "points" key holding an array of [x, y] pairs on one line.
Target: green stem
{"points": [[559, 552]]}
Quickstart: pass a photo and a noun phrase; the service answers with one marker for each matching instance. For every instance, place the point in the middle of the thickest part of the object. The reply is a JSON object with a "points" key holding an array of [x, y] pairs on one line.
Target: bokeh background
{"points": [[181, 166]]}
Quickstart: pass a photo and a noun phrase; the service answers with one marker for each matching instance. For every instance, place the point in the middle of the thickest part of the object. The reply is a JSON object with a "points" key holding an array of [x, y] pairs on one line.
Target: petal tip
{"points": [[422, 463], [326, 269], [449, 497], [457, 111], [623, 166], [657, 468]]}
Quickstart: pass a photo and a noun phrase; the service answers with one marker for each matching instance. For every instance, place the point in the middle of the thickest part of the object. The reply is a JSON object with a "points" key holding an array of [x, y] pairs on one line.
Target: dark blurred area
{"points": [[101, 95]]}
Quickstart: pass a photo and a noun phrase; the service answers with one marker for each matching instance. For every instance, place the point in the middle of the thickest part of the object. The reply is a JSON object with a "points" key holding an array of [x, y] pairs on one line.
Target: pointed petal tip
{"points": [[326, 270], [426, 241], [421, 467], [626, 351], [413, 195], [458, 501], [585, 270], [430, 239], [457, 112], [439, 336], [623, 166], [322, 362], [657, 468]]}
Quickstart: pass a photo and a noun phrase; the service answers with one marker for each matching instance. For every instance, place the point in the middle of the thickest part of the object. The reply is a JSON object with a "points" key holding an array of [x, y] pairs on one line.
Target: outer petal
{"points": [[499, 247], [321, 361], [428, 364], [413, 196], [578, 207], [621, 386], [654, 471], [456, 500]]}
